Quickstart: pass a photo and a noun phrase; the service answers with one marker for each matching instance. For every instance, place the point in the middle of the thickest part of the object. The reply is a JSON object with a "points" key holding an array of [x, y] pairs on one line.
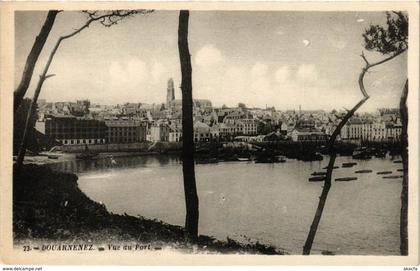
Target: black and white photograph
{"points": [[213, 132]]}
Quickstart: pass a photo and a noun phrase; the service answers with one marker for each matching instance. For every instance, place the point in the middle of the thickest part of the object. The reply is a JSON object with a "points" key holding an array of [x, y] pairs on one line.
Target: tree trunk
{"points": [[190, 188], [28, 124], [33, 58], [404, 156], [327, 183]]}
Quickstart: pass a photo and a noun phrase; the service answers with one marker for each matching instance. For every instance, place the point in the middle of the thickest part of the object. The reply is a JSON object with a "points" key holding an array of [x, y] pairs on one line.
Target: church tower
{"points": [[170, 95]]}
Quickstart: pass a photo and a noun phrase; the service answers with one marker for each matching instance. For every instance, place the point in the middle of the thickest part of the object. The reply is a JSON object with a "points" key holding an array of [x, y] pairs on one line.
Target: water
{"points": [[269, 203]]}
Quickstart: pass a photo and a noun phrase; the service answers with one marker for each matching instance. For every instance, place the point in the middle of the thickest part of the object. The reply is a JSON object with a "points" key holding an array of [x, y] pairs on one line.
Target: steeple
{"points": [[170, 95]]}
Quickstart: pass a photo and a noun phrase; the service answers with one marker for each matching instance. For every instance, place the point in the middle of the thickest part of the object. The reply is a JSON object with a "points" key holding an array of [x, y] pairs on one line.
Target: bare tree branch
{"points": [[93, 18], [327, 183]]}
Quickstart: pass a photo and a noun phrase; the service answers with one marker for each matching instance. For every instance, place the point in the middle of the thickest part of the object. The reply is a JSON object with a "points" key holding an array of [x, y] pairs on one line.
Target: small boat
{"points": [[345, 179], [351, 164], [317, 179], [242, 159], [53, 156], [400, 169], [392, 177], [334, 167], [384, 172], [319, 173], [281, 159], [363, 171], [397, 162]]}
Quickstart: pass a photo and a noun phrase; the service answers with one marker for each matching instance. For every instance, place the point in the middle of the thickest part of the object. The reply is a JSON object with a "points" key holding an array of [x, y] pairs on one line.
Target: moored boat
{"points": [[242, 159], [281, 159], [363, 171], [334, 167], [345, 179], [384, 172], [319, 173], [317, 179], [350, 164], [392, 177]]}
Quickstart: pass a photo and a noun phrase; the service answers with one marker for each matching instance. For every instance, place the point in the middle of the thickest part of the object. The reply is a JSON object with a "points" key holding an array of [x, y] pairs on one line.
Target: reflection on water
{"points": [[271, 203], [111, 162]]}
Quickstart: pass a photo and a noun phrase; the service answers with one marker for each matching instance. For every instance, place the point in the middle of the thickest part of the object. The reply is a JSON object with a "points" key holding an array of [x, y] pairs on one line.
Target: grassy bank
{"points": [[48, 205]]}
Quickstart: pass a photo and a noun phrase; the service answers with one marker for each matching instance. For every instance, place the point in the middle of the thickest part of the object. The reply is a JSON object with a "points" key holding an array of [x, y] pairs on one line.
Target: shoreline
{"points": [[50, 207]]}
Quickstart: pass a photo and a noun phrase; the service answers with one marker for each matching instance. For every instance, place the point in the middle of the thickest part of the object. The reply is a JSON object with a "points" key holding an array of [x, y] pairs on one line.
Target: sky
{"points": [[274, 58]]}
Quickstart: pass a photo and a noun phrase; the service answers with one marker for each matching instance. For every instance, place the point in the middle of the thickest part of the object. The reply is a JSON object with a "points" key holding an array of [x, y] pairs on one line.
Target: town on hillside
{"points": [[83, 123]]}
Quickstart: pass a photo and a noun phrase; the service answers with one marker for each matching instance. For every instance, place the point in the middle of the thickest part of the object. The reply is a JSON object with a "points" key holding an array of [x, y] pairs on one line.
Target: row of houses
{"points": [[359, 129], [71, 130]]}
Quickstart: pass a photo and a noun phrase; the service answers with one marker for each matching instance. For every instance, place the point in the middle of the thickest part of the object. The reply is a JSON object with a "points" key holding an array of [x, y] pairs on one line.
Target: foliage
{"points": [[390, 39], [242, 105]]}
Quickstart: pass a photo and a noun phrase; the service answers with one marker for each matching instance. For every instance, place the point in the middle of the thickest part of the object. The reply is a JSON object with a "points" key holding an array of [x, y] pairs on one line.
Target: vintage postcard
{"points": [[229, 133]]}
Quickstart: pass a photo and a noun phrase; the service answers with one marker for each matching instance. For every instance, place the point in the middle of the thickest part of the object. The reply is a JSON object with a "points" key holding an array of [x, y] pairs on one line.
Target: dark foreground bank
{"points": [[48, 205]]}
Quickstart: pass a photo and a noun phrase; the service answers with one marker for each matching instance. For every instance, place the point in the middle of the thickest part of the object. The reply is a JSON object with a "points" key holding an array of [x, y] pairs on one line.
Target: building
{"points": [[250, 126], [357, 129], [175, 133], [71, 130], [158, 132], [170, 93], [227, 132], [305, 131], [125, 131], [308, 135], [201, 132]]}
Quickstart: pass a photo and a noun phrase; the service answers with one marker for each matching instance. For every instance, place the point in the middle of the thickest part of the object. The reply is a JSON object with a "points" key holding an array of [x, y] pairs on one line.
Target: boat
{"points": [[319, 173], [350, 164], [243, 159], [384, 172], [392, 177], [317, 179], [86, 154], [363, 171], [345, 179], [400, 169], [397, 162], [334, 167], [53, 156], [281, 159]]}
